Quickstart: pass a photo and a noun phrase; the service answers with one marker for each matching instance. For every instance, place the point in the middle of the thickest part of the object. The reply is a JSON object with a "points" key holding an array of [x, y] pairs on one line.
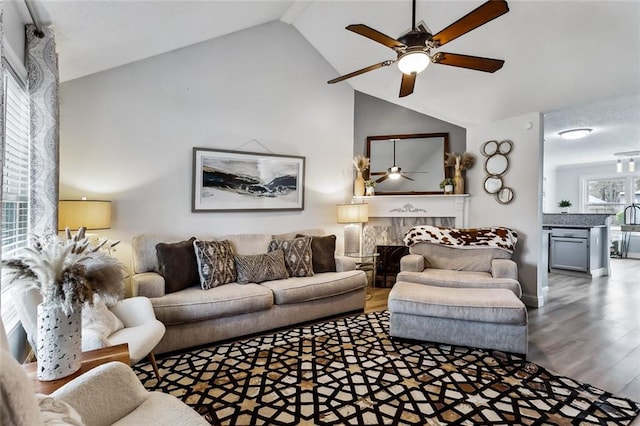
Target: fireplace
{"points": [[390, 216]]}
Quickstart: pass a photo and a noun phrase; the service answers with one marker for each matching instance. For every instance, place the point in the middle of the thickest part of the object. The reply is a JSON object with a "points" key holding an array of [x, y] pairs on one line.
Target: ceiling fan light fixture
{"points": [[394, 173], [413, 61], [575, 133]]}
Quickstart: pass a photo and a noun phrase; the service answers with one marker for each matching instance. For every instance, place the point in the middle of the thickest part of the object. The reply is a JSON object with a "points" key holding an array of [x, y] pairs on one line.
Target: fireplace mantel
{"points": [[456, 206]]}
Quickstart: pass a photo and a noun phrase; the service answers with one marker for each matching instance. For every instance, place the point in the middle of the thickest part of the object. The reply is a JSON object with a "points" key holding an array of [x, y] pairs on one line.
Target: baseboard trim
{"points": [[532, 301]]}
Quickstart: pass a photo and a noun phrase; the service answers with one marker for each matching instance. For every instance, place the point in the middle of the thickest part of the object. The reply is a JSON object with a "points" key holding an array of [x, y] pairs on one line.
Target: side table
{"points": [[90, 359], [368, 263]]}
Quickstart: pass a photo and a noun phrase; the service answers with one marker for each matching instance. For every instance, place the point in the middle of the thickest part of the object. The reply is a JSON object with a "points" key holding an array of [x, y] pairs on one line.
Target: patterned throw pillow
{"points": [[323, 251], [297, 255], [177, 264], [215, 263], [261, 267]]}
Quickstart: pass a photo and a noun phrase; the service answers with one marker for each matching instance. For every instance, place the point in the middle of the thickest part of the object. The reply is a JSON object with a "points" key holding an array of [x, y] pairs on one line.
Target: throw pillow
{"points": [[56, 412], [323, 251], [297, 255], [215, 263], [178, 265], [261, 267], [100, 319]]}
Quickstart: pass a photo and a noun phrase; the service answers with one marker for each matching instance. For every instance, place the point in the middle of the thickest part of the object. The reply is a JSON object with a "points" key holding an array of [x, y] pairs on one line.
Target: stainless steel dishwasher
{"points": [[569, 249]]}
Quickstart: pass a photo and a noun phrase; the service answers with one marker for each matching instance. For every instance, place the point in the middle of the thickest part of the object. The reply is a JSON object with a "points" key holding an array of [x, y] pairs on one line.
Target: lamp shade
{"points": [[91, 214], [353, 213]]}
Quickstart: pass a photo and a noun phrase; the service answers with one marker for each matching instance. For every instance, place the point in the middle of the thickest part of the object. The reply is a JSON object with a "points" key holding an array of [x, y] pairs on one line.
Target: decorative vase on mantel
{"points": [[59, 341], [358, 185], [458, 182]]}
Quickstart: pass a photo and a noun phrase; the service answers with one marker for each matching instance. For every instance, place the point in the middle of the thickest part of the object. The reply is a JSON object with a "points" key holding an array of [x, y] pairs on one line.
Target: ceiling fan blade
{"points": [[406, 177], [383, 178], [480, 16], [375, 35], [465, 61], [362, 71], [406, 86]]}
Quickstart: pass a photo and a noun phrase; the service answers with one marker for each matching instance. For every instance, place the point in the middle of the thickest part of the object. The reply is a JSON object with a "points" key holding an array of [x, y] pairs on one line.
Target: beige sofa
{"points": [[193, 316]]}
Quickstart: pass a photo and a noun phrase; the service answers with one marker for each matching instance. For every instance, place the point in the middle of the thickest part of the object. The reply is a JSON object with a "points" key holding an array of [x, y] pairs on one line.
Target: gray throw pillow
{"points": [[323, 251], [297, 255], [260, 267], [178, 265], [216, 265]]}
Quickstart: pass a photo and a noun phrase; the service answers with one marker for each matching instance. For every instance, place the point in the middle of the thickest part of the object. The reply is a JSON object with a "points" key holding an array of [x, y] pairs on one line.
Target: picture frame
{"points": [[237, 181]]}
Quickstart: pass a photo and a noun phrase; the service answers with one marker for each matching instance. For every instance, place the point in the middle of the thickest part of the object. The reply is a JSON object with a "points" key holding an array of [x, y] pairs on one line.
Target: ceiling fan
{"points": [[414, 49], [394, 172]]}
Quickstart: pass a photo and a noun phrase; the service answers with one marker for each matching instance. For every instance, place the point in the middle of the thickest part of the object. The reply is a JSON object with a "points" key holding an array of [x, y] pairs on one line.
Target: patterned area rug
{"points": [[349, 372]]}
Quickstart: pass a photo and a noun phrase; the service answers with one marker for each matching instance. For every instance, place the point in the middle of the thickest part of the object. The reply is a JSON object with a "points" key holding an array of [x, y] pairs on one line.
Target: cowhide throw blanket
{"points": [[503, 238]]}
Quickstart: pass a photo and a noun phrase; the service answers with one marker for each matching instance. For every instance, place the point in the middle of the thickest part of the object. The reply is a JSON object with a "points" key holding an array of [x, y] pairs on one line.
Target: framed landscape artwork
{"points": [[246, 181]]}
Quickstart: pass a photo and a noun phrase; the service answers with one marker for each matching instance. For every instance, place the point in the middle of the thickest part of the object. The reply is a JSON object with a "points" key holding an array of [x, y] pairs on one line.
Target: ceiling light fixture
{"points": [[394, 172], [575, 133], [632, 163], [414, 61]]}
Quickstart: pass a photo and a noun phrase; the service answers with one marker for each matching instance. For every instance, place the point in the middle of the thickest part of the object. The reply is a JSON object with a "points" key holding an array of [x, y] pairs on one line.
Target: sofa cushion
{"points": [[194, 304], [216, 265], [297, 255], [319, 286], [248, 244], [462, 279], [467, 259], [260, 267], [177, 264], [323, 253]]}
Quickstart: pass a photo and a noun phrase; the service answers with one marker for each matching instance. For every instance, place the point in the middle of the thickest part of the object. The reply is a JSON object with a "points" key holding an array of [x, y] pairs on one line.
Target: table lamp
{"points": [[353, 216], [91, 214]]}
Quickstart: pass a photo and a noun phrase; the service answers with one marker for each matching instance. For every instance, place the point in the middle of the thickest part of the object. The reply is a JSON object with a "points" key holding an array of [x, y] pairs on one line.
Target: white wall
{"points": [[127, 133], [524, 213]]}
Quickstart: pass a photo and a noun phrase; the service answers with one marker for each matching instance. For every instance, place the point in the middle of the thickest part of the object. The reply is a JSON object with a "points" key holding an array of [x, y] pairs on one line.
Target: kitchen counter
{"points": [[549, 226], [586, 220]]}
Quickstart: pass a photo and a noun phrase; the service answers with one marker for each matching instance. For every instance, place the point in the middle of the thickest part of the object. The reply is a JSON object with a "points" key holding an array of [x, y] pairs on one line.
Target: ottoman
{"points": [[487, 318]]}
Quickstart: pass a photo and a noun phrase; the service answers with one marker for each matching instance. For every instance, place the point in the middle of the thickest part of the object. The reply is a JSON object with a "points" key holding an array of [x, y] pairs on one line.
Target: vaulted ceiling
{"points": [[558, 54]]}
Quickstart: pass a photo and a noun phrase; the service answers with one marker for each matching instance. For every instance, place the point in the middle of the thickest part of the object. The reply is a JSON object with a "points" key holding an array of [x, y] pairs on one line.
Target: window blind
{"points": [[15, 185]]}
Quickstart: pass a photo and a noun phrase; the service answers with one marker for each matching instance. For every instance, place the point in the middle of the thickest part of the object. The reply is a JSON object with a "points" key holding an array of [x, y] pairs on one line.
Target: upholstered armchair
{"points": [[460, 258], [130, 321], [106, 395]]}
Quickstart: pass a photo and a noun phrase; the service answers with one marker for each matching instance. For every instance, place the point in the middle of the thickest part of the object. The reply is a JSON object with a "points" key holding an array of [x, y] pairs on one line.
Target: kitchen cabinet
{"points": [[578, 249]]}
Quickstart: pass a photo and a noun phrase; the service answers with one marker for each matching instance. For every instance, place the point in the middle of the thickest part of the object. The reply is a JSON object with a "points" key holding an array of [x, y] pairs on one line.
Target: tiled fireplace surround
{"points": [[390, 216]]}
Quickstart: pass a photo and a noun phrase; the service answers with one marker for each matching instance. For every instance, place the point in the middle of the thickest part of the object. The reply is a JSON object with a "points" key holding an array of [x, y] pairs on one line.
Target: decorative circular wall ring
{"points": [[505, 146], [492, 184], [489, 148], [505, 195], [496, 166]]}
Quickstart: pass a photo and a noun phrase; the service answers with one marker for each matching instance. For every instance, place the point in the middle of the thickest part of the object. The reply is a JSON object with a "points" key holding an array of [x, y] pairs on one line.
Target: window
{"points": [[610, 194], [15, 185]]}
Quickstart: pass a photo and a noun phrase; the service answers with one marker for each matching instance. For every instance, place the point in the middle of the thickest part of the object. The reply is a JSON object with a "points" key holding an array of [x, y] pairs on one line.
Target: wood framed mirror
{"points": [[419, 156]]}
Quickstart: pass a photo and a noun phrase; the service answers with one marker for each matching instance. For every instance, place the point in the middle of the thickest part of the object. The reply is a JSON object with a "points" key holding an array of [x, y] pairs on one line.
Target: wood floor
{"points": [[589, 329]]}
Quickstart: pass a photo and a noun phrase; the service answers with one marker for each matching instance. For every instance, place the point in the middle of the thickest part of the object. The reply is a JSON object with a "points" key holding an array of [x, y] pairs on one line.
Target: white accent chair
{"points": [[106, 395], [142, 331]]}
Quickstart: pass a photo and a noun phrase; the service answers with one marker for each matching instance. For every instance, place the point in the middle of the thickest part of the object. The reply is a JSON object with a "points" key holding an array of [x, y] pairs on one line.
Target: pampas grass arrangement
{"points": [[68, 270], [462, 162], [361, 163]]}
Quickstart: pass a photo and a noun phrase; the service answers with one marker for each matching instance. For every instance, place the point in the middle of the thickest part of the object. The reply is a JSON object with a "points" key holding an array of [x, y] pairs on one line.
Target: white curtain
{"points": [[42, 74]]}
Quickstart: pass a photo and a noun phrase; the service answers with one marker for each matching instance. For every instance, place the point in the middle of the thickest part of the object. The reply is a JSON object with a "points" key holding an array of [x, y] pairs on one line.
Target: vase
{"points": [[458, 182], [59, 341], [369, 191], [358, 185], [448, 189]]}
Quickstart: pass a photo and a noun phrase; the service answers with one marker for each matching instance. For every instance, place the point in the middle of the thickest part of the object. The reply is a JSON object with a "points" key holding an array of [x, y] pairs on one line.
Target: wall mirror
{"points": [[496, 165], [420, 158]]}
